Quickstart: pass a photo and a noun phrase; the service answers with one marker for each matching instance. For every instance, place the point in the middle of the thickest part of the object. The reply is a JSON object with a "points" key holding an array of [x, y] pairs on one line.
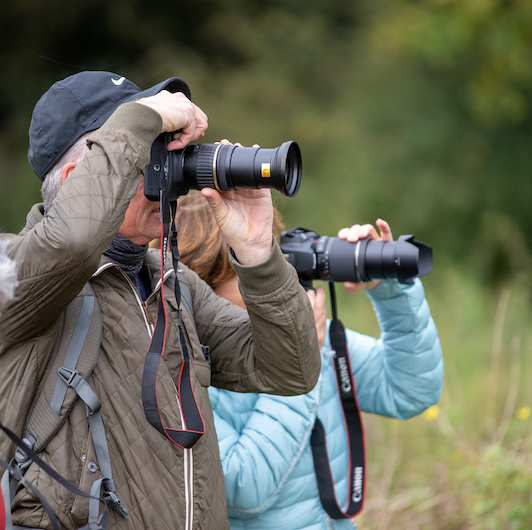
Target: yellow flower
{"points": [[523, 413], [431, 413]]}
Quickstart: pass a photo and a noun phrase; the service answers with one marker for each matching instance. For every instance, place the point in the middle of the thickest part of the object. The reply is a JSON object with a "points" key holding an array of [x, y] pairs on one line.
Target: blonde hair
{"points": [[201, 244]]}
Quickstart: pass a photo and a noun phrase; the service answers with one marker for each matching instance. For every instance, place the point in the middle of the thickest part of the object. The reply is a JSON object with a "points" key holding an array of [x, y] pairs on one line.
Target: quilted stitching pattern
{"points": [[147, 468], [269, 484]]}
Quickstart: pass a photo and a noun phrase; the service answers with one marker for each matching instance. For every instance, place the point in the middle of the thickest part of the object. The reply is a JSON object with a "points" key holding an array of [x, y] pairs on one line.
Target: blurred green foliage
{"points": [[465, 463], [415, 111]]}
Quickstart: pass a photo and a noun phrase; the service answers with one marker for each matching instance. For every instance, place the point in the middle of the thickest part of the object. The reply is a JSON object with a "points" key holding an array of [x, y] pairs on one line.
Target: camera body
{"points": [[222, 167], [333, 259]]}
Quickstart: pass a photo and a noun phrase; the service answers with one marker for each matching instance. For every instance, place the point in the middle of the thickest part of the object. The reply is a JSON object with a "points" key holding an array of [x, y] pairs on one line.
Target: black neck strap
{"points": [[192, 421], [354, 431]]}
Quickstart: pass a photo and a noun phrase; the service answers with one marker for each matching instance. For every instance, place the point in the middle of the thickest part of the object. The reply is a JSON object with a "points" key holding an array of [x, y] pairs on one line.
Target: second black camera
{"points": [[332, 259]]}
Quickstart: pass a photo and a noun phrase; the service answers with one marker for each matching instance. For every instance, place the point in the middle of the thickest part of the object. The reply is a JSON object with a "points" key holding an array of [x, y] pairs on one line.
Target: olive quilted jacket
{"points": [[271, 348]]}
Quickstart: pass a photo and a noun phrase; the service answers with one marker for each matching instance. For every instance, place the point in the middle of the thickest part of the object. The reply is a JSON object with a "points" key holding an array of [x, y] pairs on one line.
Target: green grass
{"points": [[467, 462]]}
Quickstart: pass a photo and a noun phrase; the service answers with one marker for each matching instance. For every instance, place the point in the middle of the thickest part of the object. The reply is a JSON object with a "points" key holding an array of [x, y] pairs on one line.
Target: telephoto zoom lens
{"points": [[369, 259], [228, 167], [333, 259]]}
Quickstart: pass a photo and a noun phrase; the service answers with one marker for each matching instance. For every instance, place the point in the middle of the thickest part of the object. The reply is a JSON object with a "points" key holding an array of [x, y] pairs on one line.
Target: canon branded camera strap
{"points": [[354, 431], [192, 421]]}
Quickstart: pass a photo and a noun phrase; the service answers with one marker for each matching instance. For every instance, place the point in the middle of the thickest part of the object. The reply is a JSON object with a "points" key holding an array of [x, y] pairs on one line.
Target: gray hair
{"points": [[52, 181], [8, 276]]}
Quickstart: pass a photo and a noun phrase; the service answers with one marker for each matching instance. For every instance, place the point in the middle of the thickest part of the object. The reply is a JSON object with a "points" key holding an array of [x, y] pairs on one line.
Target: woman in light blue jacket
{"points": [[264, 440]]}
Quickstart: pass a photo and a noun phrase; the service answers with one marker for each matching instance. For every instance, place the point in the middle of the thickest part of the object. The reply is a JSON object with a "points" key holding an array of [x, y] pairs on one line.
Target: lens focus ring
{"points": [[205, 166]]}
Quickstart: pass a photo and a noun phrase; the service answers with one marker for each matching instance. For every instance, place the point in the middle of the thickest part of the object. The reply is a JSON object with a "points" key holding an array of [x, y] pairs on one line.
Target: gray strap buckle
{"points": [[71, 378], [23, 461], [67, 375], [111, 499]]}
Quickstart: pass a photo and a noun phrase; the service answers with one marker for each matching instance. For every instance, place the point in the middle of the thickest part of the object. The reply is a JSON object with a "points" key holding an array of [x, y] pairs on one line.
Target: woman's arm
{"points": [[401, 373]]}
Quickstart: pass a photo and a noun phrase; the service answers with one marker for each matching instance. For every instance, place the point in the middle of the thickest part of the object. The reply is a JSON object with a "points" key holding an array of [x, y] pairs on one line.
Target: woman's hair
{"points": [[201, 244]]}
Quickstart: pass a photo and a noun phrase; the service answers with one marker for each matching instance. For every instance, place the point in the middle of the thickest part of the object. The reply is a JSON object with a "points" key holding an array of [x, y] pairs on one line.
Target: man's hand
{"points": [[178, 114], [357, 232], [245, 218]]}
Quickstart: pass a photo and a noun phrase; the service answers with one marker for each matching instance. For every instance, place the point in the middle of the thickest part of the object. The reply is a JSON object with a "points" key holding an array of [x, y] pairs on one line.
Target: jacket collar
{"points": [[152, 260]]}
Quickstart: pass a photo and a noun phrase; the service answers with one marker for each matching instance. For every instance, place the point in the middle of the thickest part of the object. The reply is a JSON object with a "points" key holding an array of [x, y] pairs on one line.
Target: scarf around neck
{"points": [[127, 255]]}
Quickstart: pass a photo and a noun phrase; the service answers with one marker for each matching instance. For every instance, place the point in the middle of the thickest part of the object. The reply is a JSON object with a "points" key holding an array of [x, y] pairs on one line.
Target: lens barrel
{"points": [[369, 259], [228, 167]]}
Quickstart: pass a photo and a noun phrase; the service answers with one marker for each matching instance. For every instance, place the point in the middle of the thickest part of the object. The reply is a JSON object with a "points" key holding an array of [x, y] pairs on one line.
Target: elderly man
{"points": [[90, 140]]}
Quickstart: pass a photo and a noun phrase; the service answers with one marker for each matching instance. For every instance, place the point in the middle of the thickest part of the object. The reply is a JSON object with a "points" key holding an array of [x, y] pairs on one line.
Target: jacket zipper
{"points": [[188, 467], [148, 316]]}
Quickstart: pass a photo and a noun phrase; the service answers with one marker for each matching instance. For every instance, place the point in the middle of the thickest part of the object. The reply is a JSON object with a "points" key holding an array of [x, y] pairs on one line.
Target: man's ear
{"points": [[65, 172]]}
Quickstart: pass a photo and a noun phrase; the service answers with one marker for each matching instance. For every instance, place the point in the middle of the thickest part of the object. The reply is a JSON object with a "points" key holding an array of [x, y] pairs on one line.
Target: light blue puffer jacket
{"points": [[264, 440]]}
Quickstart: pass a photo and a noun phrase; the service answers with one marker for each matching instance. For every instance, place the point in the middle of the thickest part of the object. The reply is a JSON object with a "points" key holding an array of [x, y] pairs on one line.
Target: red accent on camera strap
{"points": [[354, 432], [193, 425]]}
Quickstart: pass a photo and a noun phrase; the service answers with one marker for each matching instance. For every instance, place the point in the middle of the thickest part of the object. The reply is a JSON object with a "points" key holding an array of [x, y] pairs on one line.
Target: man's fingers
{"points": [[344, 232], [178, 113], [365, 231], [213, 197], [192, 130]]}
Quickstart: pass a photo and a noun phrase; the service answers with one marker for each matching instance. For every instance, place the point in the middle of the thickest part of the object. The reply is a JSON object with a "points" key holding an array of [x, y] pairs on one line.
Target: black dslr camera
{"points": [[332, 259], [223, 167]]}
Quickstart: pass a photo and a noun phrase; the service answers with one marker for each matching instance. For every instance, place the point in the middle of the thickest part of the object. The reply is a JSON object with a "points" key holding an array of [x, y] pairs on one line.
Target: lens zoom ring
{"points": [[204, 166]]}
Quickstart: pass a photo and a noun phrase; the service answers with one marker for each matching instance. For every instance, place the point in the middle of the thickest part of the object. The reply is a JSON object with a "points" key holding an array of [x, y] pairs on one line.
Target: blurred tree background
{"points": [[419, 112], [416, 111]]}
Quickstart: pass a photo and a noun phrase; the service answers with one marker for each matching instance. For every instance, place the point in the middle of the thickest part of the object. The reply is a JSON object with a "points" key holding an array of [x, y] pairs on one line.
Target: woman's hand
{"points": [[317, 301], [357, 232]]}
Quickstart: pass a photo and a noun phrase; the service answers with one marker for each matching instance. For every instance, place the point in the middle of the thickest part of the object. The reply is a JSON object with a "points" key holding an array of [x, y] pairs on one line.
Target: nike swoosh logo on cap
{"points": [[118, 82]]}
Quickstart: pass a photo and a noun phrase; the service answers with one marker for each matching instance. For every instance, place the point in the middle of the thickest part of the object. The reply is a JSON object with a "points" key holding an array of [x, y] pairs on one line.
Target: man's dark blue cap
{"points": [[77, 105]]}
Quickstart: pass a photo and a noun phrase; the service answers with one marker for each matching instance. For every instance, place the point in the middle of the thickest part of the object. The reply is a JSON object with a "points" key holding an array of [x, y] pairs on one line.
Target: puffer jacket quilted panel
{"points": [[264, 440]]}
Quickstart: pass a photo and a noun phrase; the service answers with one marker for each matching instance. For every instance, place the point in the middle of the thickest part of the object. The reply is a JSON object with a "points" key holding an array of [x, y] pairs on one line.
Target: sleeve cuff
{"points": [[390, 289], [140, 120], [265, 277]]}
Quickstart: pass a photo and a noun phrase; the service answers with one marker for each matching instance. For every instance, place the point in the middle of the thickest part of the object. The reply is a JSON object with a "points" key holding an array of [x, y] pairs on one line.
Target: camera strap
{"points": [[354, 431], [192, 421]]}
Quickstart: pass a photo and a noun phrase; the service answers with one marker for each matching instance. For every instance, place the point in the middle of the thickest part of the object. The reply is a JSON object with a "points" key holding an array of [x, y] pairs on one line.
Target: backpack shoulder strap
{"points": [[65, 379], [74, 357]]}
